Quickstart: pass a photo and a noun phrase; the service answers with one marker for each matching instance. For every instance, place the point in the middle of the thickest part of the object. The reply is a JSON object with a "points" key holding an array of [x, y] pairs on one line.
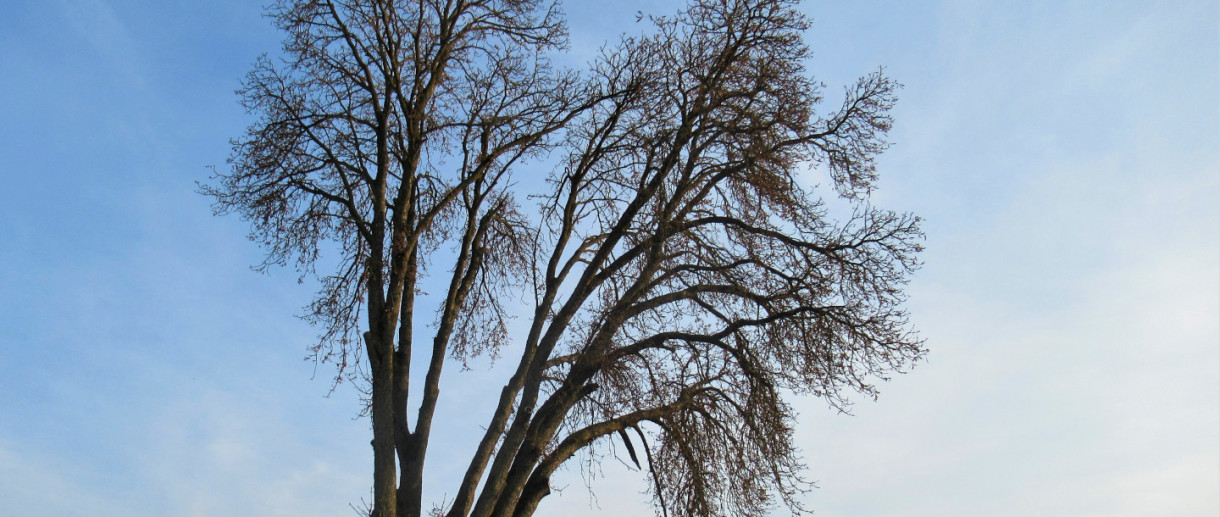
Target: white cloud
{"points": [[224, 454], [96, 22], [33, 485]]}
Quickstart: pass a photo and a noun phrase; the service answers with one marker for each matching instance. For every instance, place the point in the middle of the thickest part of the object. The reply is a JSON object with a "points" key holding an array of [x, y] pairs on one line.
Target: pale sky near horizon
{"points": [[1064, 155]]}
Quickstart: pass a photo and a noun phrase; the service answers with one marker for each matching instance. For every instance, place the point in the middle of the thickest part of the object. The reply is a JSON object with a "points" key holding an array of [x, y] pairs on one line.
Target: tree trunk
{"points": [[384, 467], [535, 490], [410, 491]]}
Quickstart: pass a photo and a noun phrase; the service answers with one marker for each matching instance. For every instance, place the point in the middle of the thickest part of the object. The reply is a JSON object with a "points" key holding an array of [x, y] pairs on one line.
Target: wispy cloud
{"points": [[96, 22]]}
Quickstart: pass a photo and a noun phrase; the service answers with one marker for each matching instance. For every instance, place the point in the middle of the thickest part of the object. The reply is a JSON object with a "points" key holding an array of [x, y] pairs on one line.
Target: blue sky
{"points": [[1065, 156]]}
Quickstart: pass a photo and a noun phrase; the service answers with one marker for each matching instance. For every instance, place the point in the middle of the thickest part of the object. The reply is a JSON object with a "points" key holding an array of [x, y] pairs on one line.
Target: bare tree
{"points": [[684, 277]]}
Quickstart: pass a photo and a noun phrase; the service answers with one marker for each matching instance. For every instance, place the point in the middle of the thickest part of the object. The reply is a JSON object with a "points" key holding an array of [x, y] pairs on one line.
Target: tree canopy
{"points": [[681, 275]]}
